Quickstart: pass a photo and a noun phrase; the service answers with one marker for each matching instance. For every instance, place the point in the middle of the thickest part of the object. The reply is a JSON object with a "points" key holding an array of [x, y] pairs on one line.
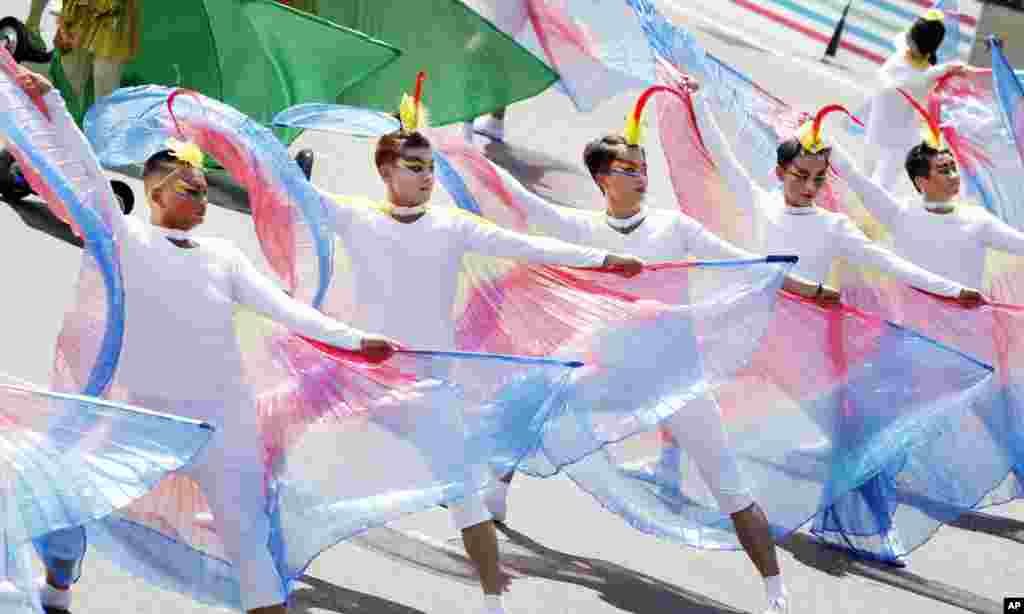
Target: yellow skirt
{"points": [[107, 28]]}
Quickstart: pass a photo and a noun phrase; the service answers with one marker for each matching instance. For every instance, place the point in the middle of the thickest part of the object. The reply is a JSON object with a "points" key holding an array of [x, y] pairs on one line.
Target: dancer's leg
{"points": [[698, 429], [231, 476]]}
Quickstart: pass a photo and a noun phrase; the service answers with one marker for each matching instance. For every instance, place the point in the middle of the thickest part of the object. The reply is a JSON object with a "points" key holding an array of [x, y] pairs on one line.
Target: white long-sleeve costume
{"points": [[662, 236], [893, 125], [953, 244], [181, 354], [405, 277], [816, 235]]}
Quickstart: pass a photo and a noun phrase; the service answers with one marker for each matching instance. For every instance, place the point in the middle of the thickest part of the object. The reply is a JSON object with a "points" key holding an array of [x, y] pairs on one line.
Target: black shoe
{"points": [[13, 186], [24, 45], [124, 194], [305, 159]]}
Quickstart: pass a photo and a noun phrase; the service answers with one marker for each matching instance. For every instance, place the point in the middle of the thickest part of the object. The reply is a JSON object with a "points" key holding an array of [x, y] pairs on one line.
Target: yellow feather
{"points": [[934, 15], [633, 131], [408, 114], [186, 151], [930, 138], [807, 138], [412, 119]]}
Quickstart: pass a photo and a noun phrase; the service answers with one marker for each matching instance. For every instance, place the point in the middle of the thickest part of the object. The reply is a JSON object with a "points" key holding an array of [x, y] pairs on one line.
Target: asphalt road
{"points": [[566, 553]]}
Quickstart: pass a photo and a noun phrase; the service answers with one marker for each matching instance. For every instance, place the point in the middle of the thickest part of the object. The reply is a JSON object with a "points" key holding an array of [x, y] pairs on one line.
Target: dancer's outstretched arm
{"points": [[901, 74], [75, 145], [997, 234], [744, 188], [486, 238], [550, 219], [255, 290], [858, 248], [877, 200]]}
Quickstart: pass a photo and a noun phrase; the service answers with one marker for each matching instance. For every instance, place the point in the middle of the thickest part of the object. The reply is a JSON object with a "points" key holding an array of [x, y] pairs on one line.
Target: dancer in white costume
{"points": [[406, 258], [788, 221], [619, 168], [181, 352], [892, 125], [935, 216]]}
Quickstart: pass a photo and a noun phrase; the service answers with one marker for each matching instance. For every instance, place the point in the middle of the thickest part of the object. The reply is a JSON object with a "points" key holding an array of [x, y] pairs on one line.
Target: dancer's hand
{"points": [[689, 84], [821, 294], [627, 266], [957, 69], [827, 297], [33, 83], [971, 298], [378, 349]]}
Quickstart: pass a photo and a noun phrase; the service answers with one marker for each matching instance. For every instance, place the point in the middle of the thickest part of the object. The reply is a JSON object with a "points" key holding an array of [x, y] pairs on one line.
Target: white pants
{"points": [[442, 455], [698, 429], [471, 509], [230, 473]]}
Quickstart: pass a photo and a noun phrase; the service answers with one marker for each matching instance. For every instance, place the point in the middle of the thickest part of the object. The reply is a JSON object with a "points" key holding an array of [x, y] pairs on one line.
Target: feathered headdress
{"points": [[633, 132], [809, 134], [930, 132], [183, 149], [411, 112]]}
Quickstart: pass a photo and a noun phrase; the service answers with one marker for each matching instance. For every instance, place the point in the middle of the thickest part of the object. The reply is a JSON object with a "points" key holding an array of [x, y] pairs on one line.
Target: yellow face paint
{"points": [[416, 165], [191, 190]]}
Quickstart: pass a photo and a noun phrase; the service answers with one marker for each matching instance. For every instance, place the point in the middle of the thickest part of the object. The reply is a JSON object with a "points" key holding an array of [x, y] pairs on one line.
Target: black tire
{"points": [[11, 188], [305, 159], [124, 194]]}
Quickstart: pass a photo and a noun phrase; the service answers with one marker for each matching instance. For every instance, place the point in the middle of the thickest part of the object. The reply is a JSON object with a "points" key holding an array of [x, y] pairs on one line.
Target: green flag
{"points": [[257, 55], [472, 67]]}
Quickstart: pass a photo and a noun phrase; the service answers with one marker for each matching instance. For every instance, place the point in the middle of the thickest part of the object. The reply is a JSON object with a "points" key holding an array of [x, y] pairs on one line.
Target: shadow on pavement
{"points": [[522, 557], [328, 597], [624, 588]]}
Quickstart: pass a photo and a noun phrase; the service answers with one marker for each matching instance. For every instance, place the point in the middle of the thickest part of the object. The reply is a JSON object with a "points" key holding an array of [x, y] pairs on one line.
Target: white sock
{"points": [[496, 501], [493, 604], [54, 597], [774, 588]]}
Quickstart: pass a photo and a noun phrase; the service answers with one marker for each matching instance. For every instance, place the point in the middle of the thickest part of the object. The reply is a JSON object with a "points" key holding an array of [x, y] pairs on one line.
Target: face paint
{"points": [[803, 178], [416, 166], [183, 197], [628, 169], [411, 181], [190, 190]]}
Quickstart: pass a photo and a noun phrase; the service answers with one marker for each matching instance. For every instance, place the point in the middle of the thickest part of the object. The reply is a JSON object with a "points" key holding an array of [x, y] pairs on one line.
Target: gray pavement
{"points": [[566, 554]]}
